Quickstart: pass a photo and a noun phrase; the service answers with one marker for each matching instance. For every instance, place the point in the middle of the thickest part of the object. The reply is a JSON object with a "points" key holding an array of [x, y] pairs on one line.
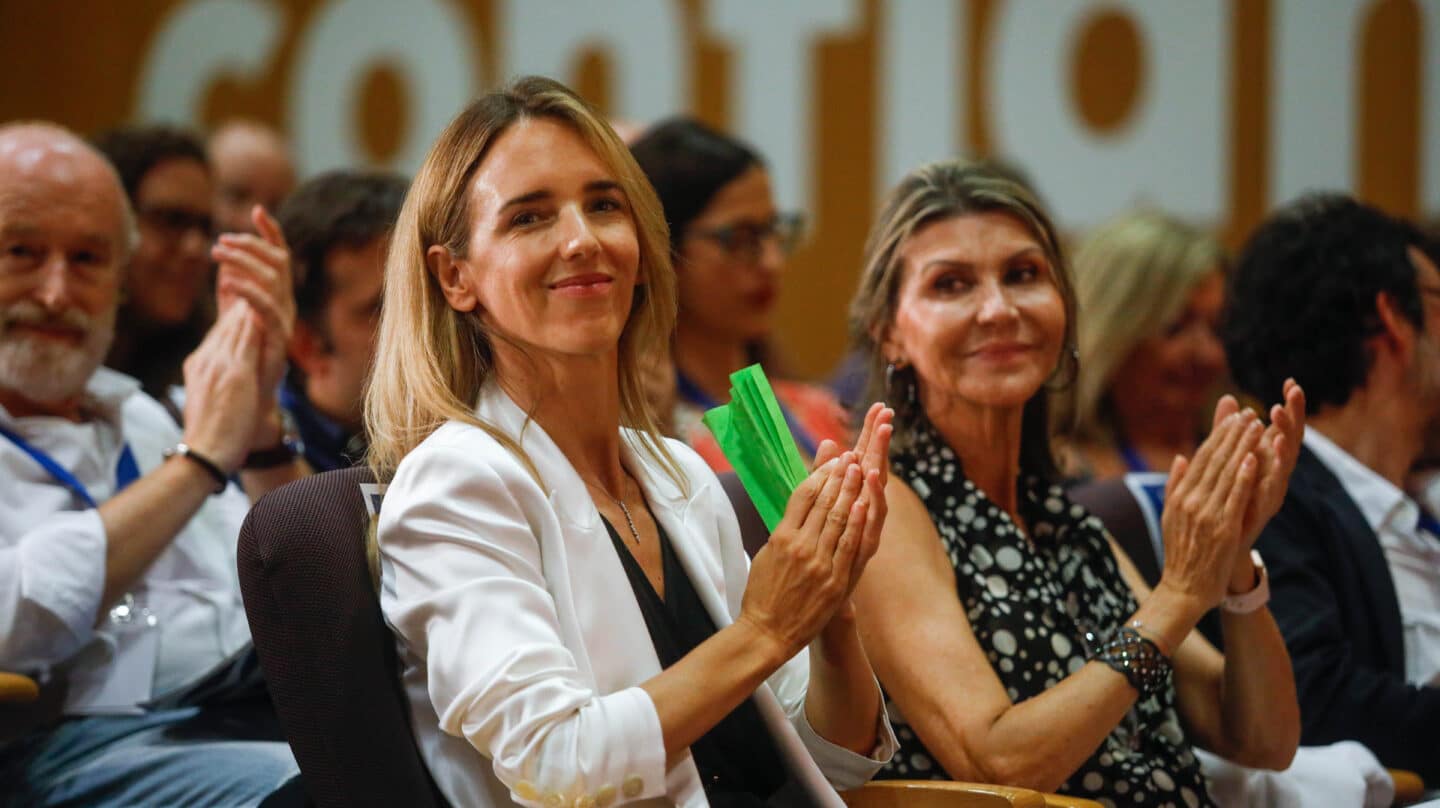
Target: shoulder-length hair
{"points": [[1132, 278], [688, 163], [431, 360], [929, 194]]}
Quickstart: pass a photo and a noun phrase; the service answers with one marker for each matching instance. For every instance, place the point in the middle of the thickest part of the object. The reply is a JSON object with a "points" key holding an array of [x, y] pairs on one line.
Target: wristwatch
{"points": [[1258, 596], [210, 466], [281, 453], [278, 455]]}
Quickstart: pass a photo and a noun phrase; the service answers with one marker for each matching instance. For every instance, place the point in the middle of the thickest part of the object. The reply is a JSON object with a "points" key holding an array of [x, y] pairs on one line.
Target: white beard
{"points": [[44, 370]]}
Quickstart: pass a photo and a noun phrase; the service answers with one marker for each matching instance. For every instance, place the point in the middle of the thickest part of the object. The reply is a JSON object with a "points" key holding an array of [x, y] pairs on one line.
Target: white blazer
{"points": [[521, 639]]}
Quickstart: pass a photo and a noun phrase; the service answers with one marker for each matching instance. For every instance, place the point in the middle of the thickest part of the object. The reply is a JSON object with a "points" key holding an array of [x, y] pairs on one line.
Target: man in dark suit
{"points": [[1346, 300]]}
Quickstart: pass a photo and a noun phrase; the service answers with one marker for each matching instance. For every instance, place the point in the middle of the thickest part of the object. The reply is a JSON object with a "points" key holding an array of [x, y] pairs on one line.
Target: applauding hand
{"points": [[255, 271], [830, 529], [1278, 450]]}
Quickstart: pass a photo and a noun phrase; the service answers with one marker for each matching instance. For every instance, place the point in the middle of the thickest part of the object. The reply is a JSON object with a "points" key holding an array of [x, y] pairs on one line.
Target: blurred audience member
{"points": [[1342, 297], [627, 129], [252, 167], [1015, 643], [165, 303], [1149, 289], [338, 228], [729, 245], [117, 530]]}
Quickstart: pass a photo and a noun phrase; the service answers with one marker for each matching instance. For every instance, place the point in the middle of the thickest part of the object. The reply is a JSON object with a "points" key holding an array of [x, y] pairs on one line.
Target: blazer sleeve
{"points": [[843, 768], [464, 588], [1343, 695]]}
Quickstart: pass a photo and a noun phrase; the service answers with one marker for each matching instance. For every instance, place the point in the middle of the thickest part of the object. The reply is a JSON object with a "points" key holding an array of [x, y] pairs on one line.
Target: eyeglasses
{"points": [[176, 223], [743, 241]]}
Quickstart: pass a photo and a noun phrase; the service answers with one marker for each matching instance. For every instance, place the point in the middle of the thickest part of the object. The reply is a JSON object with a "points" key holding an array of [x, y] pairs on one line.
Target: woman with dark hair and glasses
{"points": [[729, 244], [168, 296]]}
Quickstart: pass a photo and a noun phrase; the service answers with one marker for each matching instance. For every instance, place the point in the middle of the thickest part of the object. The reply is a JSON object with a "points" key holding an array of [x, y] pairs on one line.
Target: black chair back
{"points": [[328, 657]]}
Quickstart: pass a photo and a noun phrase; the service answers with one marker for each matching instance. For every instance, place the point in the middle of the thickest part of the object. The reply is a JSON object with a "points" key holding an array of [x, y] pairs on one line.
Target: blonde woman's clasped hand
{"points": [[831, 528]]}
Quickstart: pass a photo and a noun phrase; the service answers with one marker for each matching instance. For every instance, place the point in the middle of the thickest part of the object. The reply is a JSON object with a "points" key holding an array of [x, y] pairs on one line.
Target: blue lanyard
{"points": [[126, 470], [1429, 523], [691, 392], [1133, 460]]}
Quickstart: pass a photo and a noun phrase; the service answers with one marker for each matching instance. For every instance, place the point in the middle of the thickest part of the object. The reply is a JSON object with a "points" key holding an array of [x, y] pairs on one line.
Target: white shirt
{"points": [[52, 561], [521, 642], [1412, 553]]}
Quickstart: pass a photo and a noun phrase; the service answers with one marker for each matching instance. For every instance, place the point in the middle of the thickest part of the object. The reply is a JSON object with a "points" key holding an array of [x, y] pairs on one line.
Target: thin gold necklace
{"points": [[629, 520]]}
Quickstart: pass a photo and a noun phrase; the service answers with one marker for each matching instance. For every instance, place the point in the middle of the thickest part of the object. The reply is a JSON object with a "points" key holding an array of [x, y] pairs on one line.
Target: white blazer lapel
{"points": [[594, 603]]}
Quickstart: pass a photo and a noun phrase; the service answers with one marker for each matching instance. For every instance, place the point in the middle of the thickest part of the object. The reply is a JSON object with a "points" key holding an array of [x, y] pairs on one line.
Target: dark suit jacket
{"points": [[1332, 595]]}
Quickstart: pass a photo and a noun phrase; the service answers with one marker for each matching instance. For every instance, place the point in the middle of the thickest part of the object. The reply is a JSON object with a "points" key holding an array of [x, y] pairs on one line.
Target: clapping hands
{"points": [[231, 379], [831, 528], [1277, 452], [1217, 502], [256, 270]]}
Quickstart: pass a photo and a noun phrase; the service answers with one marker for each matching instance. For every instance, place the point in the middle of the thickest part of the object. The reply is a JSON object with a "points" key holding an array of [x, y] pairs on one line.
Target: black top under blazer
{"points": [[1334, 600]]}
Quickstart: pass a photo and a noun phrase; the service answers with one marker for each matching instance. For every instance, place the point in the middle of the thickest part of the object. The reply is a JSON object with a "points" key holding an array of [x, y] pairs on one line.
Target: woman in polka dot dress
{"points": [[1015, 643]]}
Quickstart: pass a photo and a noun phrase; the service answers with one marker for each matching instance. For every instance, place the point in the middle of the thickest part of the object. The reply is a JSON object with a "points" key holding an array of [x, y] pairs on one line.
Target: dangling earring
{"points": [[904, 405], [1066, 371]]}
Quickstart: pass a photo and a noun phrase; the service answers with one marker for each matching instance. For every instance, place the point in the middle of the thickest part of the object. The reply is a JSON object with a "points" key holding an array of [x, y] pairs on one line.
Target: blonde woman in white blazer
{"points": [[536, 528]]}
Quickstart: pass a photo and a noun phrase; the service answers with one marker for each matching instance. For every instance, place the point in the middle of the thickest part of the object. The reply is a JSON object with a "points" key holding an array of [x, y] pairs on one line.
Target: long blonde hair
{"points": [[929, 194], [431, 360], [1132, 278]]}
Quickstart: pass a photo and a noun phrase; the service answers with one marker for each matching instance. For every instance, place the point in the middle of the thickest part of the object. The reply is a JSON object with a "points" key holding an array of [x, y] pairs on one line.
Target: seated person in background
{"points": [[1016, 645], [1344, 298], [1150, 290], [252, 167], [165, 306], [338, 228], [570, 597], [117, 531], [166, 302], [729, 245]]}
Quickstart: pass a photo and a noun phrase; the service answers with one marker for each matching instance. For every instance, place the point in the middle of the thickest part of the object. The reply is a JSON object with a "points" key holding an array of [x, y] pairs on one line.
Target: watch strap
{"points": [[1258, 596], [210, 466], [277, 455]]}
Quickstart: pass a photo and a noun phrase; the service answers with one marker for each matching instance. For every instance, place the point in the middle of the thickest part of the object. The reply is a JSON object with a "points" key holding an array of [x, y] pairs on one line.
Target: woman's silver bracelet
{"points": [[1138, 659]]}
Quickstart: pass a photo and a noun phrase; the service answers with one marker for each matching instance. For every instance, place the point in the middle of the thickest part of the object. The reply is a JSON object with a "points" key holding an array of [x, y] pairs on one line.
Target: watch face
{"points": [[1258, 596], [290, 433]]}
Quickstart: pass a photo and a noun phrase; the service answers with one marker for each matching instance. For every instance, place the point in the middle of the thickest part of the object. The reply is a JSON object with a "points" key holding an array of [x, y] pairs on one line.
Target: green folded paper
{"points": [[755, 438]]}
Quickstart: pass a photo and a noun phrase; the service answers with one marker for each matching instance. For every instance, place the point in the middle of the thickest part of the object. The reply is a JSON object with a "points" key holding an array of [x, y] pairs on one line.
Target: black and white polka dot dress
{"points": [[1031, 604]]}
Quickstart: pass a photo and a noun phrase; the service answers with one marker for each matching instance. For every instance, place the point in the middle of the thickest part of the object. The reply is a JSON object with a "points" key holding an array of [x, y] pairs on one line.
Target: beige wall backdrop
{"points": [[1215, 109]]}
